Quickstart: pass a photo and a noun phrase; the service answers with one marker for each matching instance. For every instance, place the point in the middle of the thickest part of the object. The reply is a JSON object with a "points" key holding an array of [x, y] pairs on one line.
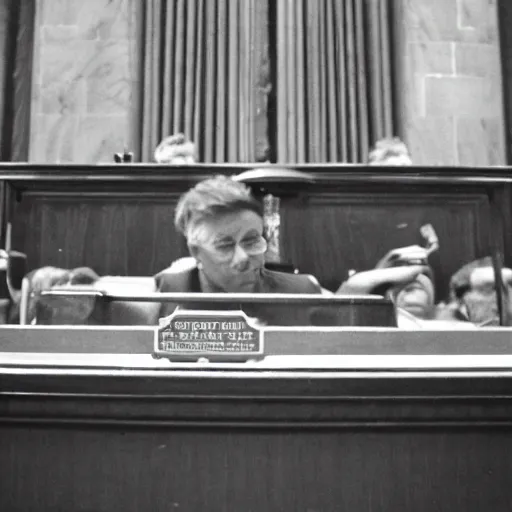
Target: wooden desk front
{"points": [[381, 435]]}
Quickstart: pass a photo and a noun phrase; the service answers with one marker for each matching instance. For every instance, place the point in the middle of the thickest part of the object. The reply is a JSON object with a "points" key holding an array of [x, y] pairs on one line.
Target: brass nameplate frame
{"points": [[212, 335]]}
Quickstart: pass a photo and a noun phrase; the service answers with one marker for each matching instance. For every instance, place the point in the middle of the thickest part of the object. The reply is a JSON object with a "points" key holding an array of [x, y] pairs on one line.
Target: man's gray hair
{"points": [[212, 197]]}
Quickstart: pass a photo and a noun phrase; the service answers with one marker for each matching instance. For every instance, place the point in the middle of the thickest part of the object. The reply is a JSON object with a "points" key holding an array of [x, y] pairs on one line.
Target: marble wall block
{"points": [[460, 96], [430, 20], [477, 141], [86, 79], [477, 59], [431, 140], [450, 82], [477, 21], [431, 57]]}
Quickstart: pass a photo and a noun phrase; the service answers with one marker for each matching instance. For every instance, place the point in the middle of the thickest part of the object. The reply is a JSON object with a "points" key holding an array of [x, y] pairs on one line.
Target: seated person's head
{"points": [[403, 275], [416, 297], [175, 150], [390, 152], [223, 225], [473, 291], [85, 309], [56, 310]]}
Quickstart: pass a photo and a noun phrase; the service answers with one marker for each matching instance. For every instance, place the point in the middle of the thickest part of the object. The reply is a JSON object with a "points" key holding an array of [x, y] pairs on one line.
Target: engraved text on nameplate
{"points": [[207, 334]]}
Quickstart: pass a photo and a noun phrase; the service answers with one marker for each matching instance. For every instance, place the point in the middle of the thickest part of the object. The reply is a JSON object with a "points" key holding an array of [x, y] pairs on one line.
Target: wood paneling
{"points": [[311, 442], [253, 471], [117, 234], [343, 230]]}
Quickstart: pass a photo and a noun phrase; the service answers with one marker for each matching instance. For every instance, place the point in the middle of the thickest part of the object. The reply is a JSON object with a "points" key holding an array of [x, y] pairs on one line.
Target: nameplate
{"points": [[211, 335]]}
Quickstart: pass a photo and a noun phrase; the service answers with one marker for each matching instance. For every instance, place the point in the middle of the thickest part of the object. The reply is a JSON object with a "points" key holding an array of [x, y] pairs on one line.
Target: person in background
{"points": [[59, 310], [176, 150], [417, 296], [84, 305], [405, 277], [473, 294], [223, 225], [411, 289], [392, 152], [409, 285]]}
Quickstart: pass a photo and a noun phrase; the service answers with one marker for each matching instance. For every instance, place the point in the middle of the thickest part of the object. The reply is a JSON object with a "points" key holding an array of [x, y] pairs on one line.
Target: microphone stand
{"points": [[272, 184]]}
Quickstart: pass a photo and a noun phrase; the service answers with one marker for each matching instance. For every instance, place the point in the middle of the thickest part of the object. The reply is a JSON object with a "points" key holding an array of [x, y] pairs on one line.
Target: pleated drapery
{"points": [[200, 73], [333, 79], [17, 33]]}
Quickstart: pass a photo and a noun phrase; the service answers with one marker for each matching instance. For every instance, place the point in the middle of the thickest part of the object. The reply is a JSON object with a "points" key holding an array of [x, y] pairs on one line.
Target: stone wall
{"points": [[450, 82], [85, 80]]}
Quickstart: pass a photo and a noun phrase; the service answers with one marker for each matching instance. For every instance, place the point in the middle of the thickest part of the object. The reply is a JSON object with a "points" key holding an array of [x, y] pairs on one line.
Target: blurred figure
{"points": [[391, 152], [83, 307], [416, 297], [58, 310], [176, 150], [411, 289], [473, 294], [404, 276], [409, 286]]}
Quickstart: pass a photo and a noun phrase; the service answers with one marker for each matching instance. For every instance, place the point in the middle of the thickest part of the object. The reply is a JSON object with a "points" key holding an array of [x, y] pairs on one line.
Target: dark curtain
{"points": [[330, 68], [504, 24], [333, 79], [202, 65], [505, 39], [17, 19]]}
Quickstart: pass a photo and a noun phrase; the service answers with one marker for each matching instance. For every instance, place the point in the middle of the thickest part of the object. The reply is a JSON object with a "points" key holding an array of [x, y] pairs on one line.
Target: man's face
{"points": [[231, 251], [480, 301], [415, 299]]}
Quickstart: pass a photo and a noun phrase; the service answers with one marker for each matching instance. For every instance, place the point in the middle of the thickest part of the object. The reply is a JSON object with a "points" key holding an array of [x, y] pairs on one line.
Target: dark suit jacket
{"points": [[271, 282]]}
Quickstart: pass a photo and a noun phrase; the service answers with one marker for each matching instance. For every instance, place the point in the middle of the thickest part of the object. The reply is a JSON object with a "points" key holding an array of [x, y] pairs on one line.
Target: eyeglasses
{"points": [[225, 251]]}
